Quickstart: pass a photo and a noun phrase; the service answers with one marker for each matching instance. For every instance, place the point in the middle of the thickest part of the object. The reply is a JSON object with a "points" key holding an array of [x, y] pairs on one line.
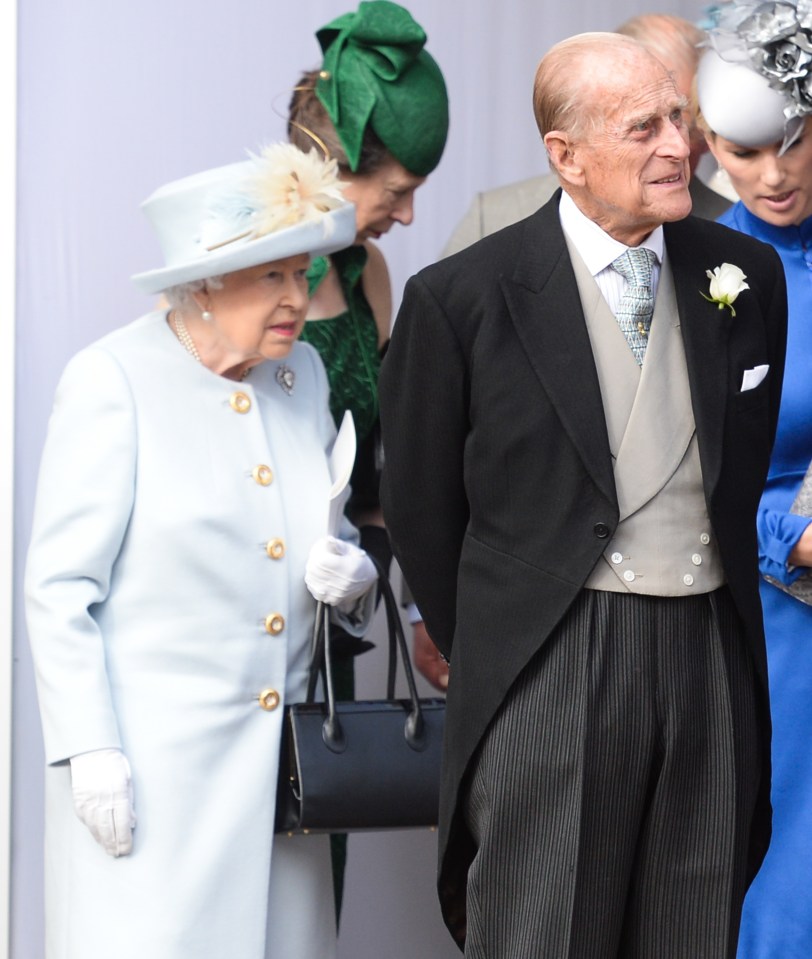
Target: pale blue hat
{"points": [[277, 204]]}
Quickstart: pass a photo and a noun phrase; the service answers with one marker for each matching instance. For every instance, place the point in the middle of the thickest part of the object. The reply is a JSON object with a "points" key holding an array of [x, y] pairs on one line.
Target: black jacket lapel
{"points": [[705, 332], [543, 301]]}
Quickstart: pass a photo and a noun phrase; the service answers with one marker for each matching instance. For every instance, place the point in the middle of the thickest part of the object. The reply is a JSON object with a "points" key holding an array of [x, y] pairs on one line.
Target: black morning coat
{"points": [[498, 488]]}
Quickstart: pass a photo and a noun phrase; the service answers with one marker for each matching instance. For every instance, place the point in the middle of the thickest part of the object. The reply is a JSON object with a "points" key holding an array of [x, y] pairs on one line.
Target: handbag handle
{"points": [[320, 664]]}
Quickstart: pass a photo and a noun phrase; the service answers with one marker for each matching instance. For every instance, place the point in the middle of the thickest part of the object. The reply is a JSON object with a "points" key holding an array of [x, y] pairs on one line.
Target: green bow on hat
{"points": [[376, 73]]}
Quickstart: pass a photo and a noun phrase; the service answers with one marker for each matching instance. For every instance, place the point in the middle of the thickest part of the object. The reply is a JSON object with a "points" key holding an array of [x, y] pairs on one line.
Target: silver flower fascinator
{"points": [[775, 40]]}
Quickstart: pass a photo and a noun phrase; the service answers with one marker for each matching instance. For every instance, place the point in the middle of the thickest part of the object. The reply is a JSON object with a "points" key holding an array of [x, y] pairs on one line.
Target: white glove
{"points": [[338, 573], [103, 798]]}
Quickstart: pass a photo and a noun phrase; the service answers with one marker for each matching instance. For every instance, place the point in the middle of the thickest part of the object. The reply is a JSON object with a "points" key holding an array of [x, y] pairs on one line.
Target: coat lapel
{"points": [[706, 332], [544, 305], [543, 301]]}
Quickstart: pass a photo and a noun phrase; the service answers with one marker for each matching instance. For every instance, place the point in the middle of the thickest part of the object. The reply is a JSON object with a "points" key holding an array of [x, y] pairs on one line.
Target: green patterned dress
{"points": [[348, 346]]}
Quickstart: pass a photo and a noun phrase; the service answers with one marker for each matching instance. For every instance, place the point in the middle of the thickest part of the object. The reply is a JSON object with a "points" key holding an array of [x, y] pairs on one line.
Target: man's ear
{"points": [[563, 159]]}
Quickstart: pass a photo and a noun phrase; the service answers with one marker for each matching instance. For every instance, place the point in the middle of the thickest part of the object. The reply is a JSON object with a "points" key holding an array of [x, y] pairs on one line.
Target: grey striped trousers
{"points": [[611, 798]]}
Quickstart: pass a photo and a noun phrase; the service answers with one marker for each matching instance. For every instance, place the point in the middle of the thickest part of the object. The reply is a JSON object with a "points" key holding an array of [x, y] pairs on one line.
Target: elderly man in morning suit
{"points": [[578, 528], [673, 41]]}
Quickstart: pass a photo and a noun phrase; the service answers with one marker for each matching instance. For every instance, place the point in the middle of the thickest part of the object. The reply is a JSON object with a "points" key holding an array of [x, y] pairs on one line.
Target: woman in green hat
{"points": [[379, 106]]}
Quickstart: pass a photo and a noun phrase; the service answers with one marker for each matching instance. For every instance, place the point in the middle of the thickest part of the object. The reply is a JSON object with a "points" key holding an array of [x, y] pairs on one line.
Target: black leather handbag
{"points": [[360, 765]]}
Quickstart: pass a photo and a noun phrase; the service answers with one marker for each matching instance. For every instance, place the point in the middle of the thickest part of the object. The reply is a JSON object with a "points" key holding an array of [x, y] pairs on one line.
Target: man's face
{"points": [[635, 165]]}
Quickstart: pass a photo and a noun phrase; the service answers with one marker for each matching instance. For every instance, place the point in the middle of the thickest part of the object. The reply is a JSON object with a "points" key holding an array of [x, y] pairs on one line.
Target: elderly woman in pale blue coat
{"points": [[182, 506]]}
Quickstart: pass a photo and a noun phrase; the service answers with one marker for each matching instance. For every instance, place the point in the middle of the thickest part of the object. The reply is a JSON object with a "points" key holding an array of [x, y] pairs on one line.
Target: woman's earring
{"points": [[207, 315]]}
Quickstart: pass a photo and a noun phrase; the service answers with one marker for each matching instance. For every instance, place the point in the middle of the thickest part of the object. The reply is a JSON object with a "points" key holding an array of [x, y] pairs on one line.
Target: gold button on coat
{"points": [[262, 474], [240, 402], [274, 623], [269, 699], [275, 548]]}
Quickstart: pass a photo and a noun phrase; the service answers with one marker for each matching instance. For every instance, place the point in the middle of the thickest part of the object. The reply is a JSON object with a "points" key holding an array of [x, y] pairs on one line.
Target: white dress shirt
{"points": [[598, 250]]}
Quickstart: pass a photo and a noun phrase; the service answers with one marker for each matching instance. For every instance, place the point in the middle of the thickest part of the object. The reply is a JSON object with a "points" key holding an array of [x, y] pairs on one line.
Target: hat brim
{"points": [[331, 232]]}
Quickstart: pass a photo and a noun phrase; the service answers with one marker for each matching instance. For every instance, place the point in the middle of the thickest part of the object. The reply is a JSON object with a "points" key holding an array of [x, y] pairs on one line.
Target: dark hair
{"points": [[309, 126]]}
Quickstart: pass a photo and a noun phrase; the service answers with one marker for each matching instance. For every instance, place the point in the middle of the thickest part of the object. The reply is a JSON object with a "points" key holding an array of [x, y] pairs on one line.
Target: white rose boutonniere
{"points": [[726, 282]]}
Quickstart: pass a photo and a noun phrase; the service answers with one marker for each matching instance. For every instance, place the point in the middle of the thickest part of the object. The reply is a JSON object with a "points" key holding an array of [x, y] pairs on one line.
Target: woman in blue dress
{"points": [[761, 135]]}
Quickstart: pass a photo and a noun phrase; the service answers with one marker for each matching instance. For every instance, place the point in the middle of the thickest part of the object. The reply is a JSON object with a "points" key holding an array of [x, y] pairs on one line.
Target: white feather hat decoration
{"points": [[279, 203]]}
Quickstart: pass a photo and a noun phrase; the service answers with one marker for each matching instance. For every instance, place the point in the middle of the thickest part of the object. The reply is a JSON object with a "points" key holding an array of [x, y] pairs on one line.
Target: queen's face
{"points": [[382, 199], [777, 189], [259, 312]]}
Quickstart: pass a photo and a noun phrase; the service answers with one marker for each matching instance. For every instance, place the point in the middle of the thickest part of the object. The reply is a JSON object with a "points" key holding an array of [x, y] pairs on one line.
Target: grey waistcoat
{"points": [[664, 545]]}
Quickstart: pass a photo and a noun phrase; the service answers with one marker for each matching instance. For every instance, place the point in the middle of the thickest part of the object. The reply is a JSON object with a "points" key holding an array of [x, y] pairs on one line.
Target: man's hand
{"points": [[427, 658]]}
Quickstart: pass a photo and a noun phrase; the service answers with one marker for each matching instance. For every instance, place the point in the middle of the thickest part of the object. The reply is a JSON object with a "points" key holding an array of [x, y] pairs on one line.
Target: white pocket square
{"points": [[753, 377]]}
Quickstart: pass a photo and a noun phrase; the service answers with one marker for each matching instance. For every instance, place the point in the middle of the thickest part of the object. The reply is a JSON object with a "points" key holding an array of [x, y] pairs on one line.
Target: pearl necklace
{"points": [[184, 338], [285, 376], [186, 341]]}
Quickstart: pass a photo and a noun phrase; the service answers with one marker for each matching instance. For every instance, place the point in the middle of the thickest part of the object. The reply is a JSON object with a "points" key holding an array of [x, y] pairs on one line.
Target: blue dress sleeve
{"points": [[778, 532]]}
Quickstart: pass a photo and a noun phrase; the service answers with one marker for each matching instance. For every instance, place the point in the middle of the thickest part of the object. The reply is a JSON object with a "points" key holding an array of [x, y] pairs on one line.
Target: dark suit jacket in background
{"points": [[498, 488]]}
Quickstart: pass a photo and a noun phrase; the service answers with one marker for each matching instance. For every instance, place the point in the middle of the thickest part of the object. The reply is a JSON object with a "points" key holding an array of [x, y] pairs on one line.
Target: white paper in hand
{"points": [[342, 459]]}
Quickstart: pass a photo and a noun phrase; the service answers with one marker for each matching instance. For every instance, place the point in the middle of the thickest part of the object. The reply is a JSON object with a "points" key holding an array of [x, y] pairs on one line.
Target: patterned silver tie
{"points": [[635, 309]]}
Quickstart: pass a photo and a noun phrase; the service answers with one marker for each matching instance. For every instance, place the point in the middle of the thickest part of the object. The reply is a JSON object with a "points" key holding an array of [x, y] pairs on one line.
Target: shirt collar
{"points": [[596, 248]]}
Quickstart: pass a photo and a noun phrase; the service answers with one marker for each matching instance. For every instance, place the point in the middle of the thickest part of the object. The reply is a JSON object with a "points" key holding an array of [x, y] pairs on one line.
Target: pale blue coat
{"points": [[148, 587]]}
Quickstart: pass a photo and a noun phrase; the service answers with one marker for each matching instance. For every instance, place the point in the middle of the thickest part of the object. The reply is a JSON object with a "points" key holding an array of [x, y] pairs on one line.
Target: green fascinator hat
{"points": [[376, 73]]}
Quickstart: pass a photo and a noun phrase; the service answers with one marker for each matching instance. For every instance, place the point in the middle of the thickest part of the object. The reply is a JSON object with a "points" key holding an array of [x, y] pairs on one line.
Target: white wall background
{"points": [[115, 99]]}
